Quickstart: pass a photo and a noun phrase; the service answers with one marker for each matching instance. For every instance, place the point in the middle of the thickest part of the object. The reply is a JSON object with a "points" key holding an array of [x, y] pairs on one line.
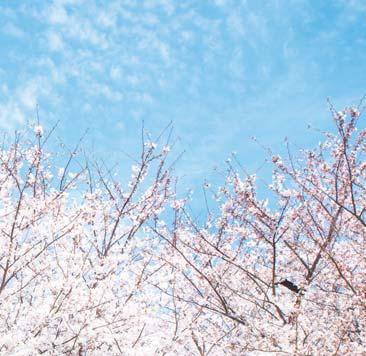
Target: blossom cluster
{"points": [[89, 266]]}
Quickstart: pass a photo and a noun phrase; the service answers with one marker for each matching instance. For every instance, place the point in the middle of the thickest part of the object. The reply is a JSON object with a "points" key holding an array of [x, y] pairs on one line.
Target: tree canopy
{"points": [[89, 266]]}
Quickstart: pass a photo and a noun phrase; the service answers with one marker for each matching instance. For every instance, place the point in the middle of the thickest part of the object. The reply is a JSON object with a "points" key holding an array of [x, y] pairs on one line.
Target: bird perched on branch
{"points": [[289, 285]]}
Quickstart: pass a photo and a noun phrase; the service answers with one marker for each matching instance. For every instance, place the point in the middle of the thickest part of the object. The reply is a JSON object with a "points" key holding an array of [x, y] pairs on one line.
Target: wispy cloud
{"points": [[55, 41], [222, 70]]}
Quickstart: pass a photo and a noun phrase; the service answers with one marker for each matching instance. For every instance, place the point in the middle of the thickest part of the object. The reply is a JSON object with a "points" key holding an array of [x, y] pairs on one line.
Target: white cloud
{"points": [[28, 96], [21, 103], [57, 14], [11, 115], [56, 73], [220, 2], [106, 91], [107, 19], [115, 73], [4, 89], [137, 50], [55, 42]]}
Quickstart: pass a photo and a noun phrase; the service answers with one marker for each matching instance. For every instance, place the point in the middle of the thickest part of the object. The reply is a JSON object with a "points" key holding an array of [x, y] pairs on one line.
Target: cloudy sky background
{"points": [[220, 70]]}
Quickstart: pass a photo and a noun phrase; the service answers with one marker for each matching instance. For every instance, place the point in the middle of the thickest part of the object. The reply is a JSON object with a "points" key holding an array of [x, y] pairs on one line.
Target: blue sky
{"points": [[220, 70]]}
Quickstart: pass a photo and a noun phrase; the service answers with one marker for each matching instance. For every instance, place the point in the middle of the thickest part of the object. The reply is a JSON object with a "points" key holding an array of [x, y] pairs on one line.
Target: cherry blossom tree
{"points": [[90, 266], [75, 255], [287, 277]]}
